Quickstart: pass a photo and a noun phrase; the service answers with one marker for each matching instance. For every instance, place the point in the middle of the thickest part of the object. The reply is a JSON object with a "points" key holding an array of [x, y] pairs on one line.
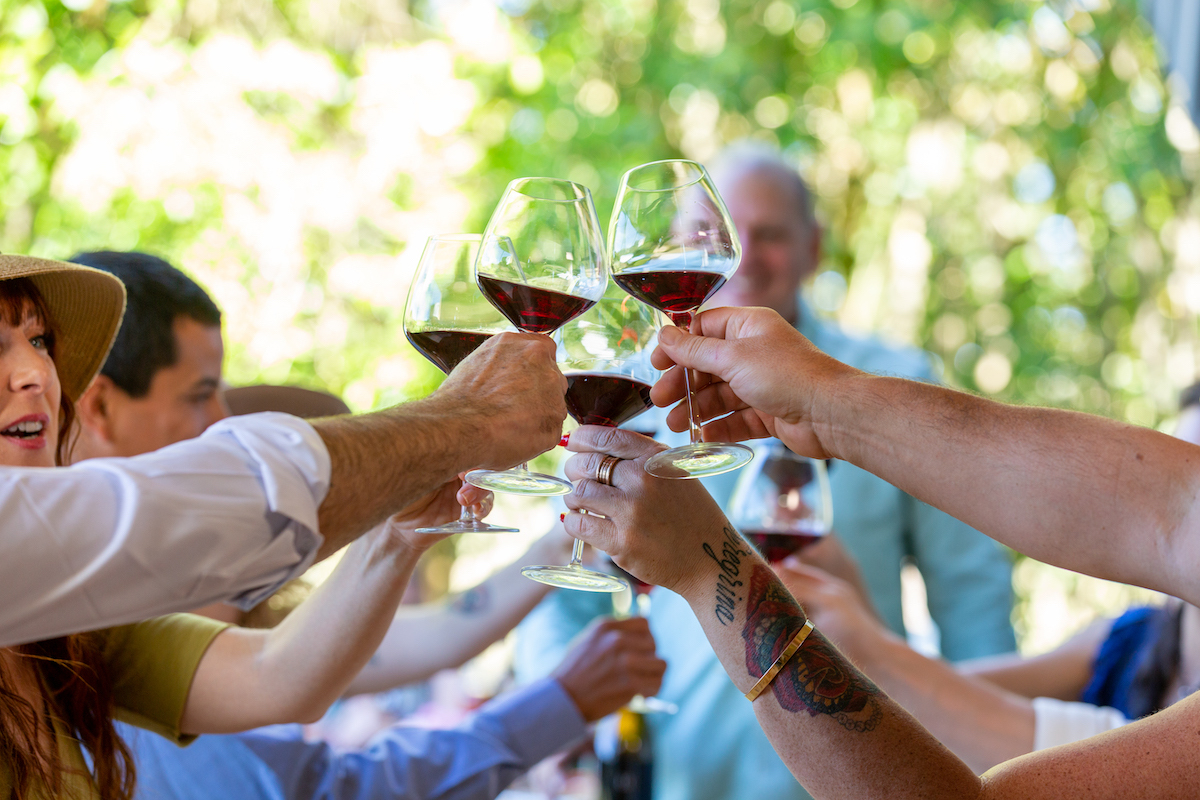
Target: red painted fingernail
{"points": [[562, 517], [566, 437]]}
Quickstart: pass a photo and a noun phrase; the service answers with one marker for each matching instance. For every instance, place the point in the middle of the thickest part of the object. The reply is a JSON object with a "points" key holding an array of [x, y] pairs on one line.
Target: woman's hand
{"points": [[652, 527], [436, 508]]}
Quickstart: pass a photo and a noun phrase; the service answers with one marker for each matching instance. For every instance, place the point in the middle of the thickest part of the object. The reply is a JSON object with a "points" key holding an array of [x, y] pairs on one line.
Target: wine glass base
{"points": [[699, 460], [584, 580], [513, 481], [458, 526]]}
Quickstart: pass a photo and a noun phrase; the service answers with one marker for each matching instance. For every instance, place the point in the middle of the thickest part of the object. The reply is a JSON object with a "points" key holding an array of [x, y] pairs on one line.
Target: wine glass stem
{"points": [[577, 555], [693, 421], [467, 515]]}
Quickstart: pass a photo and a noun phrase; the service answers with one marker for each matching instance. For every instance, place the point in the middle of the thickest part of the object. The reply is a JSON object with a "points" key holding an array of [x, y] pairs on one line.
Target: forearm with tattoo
{"points": [[818, 679]]}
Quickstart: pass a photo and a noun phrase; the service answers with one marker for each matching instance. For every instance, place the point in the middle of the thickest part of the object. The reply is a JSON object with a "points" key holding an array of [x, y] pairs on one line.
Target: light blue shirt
{"points": [[474, 761], [714, 749]]}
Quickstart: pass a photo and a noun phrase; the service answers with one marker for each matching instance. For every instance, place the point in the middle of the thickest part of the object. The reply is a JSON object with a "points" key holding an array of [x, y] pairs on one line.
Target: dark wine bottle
{"points": [[626, 757]]}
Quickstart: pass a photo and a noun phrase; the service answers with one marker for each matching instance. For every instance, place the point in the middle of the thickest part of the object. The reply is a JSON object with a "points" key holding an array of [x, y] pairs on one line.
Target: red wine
{"points": [[603, 399], [774, 546], [677, 293], [531, 309], [446, 348]]}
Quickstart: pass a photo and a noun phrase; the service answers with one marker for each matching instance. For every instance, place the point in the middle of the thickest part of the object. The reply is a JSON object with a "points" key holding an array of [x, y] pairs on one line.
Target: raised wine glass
{"points": [[782, 503], [445, 319], [541, 264], [605, 356], [672, 246]]}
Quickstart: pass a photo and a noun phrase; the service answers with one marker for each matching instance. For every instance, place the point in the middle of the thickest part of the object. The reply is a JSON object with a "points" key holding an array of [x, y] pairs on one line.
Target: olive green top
{"points": [[152, 664]]}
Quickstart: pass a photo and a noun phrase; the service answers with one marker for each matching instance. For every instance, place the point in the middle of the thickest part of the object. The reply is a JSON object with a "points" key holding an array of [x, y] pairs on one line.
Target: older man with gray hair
{"points": [[713, 749]]}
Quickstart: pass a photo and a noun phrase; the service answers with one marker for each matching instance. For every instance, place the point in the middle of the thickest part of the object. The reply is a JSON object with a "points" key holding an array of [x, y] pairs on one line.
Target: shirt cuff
{"points": [[1060, 722], [535, 721], [294, 467]]}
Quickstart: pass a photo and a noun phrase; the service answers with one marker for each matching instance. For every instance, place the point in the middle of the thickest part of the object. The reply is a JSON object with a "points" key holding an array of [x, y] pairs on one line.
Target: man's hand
{"points": [[834, 606], [513, 389], [755, 368], [613, 661], [653, 528]]}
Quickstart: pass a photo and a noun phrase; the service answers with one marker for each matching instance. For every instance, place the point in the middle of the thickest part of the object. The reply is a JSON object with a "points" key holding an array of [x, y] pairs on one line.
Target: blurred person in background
{"points": [[161, 385], [1112, 672], [713, 749]]}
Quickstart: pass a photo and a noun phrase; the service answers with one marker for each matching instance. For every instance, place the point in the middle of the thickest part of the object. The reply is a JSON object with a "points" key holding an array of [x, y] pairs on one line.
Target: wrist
{"points": [[720, 558], [838, 397], [458, 428]]}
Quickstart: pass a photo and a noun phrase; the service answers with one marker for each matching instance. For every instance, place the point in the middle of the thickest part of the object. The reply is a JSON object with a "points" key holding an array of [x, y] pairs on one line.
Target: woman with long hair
{"points": [[178, 675]]}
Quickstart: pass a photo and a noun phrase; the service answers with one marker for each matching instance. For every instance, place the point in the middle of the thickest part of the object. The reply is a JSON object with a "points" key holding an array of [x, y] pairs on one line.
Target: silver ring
{"points": [[604, 471]]}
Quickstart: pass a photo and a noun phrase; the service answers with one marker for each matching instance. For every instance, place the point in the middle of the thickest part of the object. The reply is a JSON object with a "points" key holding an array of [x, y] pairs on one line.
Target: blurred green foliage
{"points": [[996, 178], [1005, 183]]}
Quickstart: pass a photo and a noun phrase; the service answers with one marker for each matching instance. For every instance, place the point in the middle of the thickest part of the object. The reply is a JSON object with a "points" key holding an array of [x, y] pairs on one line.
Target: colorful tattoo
{"points": [[818, 679]]}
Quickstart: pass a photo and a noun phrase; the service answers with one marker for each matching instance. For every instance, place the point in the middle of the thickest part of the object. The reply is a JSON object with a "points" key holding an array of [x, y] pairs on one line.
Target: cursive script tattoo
{"points": [[818, 679], [733, 550]]}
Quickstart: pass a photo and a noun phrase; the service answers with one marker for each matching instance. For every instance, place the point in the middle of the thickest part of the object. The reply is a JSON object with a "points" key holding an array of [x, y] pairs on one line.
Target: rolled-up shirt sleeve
{"points": [[1061, 722], [229, 516]]}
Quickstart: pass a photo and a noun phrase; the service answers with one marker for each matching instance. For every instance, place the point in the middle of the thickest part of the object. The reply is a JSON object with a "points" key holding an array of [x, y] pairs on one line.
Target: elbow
{"points": [[307, 713]]}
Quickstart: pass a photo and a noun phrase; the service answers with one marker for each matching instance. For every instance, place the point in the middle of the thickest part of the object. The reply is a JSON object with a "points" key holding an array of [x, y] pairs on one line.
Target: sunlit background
{"points": [[1006, 184]]}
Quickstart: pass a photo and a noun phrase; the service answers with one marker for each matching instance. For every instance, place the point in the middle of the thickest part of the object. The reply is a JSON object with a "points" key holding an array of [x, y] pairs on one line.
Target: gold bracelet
{"points": [[780, 662]]}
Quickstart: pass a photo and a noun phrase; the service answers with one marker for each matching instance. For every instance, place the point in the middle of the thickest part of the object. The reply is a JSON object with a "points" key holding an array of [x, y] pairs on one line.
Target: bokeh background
{"points": [[1006, 184]]}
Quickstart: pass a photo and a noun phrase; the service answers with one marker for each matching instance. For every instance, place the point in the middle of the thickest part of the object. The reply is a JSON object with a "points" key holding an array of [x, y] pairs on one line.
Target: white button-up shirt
{"points": [[229, 516]]}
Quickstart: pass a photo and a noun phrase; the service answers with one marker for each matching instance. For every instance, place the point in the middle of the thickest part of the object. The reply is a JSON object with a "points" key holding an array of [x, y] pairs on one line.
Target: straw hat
{"points": [[86, 306]]}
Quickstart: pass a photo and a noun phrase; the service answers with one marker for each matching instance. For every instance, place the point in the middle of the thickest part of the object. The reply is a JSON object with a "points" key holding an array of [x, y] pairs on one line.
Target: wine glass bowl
{"points": [[783, 502], [541, 264], [605, 356], [445, 320], [672, 245]]}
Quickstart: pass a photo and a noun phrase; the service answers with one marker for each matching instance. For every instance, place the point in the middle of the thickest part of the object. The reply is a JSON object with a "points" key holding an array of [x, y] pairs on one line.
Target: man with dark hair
{"points": [[161, 382]]}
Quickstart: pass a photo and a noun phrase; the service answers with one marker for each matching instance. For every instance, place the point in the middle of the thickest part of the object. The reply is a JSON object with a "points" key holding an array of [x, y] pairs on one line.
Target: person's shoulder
{"points": [[873, 354]]}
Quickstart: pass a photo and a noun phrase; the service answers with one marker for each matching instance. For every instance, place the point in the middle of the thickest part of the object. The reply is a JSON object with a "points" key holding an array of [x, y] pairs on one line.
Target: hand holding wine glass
{"points": [[446, 319], [605, 356], [672, 246], [763, 378], [541, 264]]}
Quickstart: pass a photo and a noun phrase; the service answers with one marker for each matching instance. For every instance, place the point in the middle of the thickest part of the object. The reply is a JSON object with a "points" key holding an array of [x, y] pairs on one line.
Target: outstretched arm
{"points": [[983, 724], [460, 628], [294, 671], [501, 406], [1078, 491], [836, 731], [234, 514]]}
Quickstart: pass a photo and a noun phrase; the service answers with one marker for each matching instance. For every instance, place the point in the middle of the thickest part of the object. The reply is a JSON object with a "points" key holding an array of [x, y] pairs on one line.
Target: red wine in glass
{"points": [[530, 308], [776, 546], [446, 349], [598, 398], [446, 319], [675, 292]]}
